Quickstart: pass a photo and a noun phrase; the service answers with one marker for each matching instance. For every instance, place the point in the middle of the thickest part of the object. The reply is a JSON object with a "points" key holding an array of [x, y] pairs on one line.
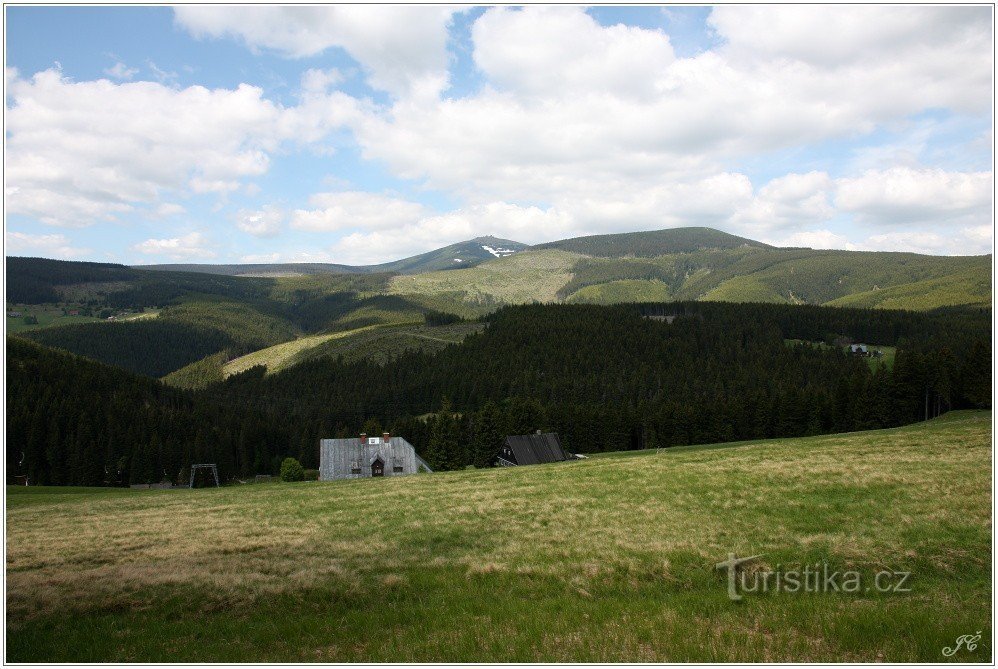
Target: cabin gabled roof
{"points": [[534, 449]]}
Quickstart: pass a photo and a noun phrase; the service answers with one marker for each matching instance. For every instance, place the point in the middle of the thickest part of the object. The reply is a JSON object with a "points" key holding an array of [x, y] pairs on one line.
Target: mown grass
{"points": [[607, 559]]}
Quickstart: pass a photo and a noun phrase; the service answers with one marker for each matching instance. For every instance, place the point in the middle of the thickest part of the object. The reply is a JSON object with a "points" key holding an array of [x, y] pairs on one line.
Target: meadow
{"points": [[606, 559]]}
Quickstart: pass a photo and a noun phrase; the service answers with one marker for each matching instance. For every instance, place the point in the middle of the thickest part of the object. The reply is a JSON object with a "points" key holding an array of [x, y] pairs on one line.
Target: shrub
{"points": [[291, 470], [311, 474]]}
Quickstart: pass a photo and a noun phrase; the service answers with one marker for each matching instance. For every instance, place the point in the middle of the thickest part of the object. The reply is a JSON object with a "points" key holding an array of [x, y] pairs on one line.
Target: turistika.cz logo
{"points": [[815, 578]]}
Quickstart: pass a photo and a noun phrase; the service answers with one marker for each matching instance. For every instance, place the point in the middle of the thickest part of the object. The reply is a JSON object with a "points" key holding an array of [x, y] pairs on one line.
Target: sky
{"points": [[363, 134]]}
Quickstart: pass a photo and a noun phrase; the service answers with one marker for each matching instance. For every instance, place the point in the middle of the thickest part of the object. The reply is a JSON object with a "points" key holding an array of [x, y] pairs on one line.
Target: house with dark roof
{"points": [[532, 449], [364, 456]]}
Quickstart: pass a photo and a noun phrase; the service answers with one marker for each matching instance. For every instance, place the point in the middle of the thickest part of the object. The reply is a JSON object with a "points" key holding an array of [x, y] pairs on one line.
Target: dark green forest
{"points": [[605, 378]]}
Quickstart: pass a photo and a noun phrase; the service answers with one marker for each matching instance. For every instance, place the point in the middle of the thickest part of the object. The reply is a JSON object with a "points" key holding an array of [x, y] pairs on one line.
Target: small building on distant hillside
{"points": [[363, 457], [858, 349], [532, 449]]}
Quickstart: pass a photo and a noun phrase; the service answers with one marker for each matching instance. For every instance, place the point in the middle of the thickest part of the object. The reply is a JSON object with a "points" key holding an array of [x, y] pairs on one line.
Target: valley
{"points": [[534, 332]]}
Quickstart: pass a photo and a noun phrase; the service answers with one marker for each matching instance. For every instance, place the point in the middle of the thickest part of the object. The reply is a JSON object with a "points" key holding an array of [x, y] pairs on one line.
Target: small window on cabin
{"points": [[397, 469], [355, 470]]}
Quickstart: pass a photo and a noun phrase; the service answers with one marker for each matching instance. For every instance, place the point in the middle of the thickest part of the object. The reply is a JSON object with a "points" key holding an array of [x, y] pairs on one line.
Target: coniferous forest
{"points": [[605, 378]]}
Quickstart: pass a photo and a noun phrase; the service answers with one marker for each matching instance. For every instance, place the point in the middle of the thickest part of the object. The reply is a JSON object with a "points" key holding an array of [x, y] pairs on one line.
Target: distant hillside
{"points": [[653, 243], [201, 314], [462, 254], [737, 274]]}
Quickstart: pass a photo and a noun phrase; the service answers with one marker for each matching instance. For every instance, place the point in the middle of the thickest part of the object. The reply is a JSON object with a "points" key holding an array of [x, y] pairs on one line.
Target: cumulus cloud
{"points": [[792, 201], [526, 224], [79, 152], [573, 127], [355, 209], [516, 49], [902, 195], [265, 222], [925, 241], [191, 246], [402, 48], [58, 246], [572, 110]]}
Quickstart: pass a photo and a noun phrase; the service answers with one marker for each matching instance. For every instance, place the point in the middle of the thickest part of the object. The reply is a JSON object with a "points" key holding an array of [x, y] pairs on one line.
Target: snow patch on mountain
{"points": [[498, 252]]}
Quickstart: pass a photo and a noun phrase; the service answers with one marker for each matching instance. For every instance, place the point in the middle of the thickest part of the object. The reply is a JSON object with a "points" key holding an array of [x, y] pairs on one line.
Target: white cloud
{"points": [[902, 195], [403, 48], [516, 49], [265, 222], [355, 209], [814, 239], [574, 111], [319, 81], [58, 246], [121, 71], [79, 152], [790, 201], [191, 246], [526, 224], [922, 241]]}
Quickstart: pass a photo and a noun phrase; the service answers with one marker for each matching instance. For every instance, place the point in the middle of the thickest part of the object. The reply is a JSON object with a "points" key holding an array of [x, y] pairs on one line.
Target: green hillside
{"points": [[971, 287], [533, 275], [820, 277], [610, 559], [374, 343], [652, 243], [242, 314], [275, 358], [737, 274]]}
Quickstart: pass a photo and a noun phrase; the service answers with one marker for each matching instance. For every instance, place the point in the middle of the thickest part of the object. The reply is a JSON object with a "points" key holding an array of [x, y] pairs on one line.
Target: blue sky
{"points": [[362, 134]]}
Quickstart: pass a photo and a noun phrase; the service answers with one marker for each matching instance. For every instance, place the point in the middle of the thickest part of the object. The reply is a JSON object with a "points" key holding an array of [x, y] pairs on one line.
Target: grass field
{"points": [[48, 315], [607, 559], [51, 315]]}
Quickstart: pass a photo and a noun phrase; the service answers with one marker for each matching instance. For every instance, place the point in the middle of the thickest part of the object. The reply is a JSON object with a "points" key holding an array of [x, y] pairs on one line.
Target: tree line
{"points": [[605, 378]]}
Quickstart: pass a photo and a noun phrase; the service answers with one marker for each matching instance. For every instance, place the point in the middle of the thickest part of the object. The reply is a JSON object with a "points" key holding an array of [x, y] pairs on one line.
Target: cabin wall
{"points": [[337, 458]]}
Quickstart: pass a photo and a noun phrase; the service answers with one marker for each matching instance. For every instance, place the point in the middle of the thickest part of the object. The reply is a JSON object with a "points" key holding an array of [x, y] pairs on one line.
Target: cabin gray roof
{"points": [[533, 449]]}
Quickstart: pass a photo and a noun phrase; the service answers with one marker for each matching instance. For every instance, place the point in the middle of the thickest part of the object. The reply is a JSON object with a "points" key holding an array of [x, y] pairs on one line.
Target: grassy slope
{"points": [[382, 344], [738, 274], [972, 287], [276, 357], [524, 277], [48, 316], [378, 343], [608, 559], [627, 290], [820, 277]]}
